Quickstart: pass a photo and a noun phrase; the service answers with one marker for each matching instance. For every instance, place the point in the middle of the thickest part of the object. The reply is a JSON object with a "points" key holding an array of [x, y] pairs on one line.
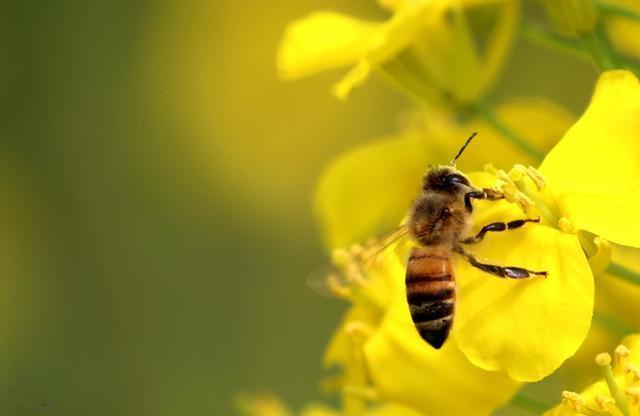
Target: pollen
{"points": [[603, 359], [606, 403], [574, 401], [520, 186]]}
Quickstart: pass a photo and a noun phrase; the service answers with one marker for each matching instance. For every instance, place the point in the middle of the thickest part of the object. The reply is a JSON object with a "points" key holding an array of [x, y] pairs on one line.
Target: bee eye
{"points": [[457, 179], [446, 213]]}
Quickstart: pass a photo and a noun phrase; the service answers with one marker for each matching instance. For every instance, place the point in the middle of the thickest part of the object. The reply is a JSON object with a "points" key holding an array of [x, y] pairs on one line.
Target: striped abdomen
{"points": [[431, 293]]}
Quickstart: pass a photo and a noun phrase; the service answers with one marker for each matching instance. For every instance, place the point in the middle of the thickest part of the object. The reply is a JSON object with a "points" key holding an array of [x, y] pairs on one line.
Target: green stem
{"points": [[529, 403], [618, 10], [540, 36], [614, 389], [600, 50], [625, 274], [487, 114]]}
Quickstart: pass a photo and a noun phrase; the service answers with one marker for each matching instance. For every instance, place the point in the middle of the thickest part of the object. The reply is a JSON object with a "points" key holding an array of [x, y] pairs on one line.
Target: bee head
{"points": [[445, 178]]}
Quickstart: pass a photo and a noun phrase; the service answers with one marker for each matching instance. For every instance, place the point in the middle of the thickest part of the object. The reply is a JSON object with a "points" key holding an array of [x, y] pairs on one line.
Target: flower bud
{"points": [[575, 17]]}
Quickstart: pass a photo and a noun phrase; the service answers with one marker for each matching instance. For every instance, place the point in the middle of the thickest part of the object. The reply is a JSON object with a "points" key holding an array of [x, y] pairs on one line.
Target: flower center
{"points": [[623, 382], [524, 187]]}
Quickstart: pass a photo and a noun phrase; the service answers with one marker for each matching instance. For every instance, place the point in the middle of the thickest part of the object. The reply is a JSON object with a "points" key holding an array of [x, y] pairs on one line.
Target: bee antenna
{"points": [[453, 162]]}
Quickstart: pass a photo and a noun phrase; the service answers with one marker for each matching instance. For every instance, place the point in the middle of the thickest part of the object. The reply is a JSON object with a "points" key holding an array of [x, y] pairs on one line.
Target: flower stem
{"points": [[487, 114], [618, 10], [614, 389], [541, 36], [624, 273], [598, 46]]}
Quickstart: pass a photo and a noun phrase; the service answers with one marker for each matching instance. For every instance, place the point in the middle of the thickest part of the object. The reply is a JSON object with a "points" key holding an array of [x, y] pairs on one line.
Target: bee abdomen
{"points": [[431, 294]]}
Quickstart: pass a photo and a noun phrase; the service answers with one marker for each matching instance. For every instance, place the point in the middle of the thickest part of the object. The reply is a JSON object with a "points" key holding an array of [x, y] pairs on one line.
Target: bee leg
{"points": [[498, 226], [484, 193], [510, 272]]}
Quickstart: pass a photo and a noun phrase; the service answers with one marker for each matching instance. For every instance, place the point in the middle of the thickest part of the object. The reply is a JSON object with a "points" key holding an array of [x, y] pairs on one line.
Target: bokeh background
{"points": [[155, 200]]}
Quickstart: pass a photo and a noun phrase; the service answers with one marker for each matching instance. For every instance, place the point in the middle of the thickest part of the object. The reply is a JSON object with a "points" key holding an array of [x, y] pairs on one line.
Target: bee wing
{"points": [[328, 281], [331, 281], [376, 249]]}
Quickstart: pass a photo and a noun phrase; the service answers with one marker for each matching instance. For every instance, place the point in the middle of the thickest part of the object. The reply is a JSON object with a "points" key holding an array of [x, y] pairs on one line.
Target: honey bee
{"points": [[440, 222]]}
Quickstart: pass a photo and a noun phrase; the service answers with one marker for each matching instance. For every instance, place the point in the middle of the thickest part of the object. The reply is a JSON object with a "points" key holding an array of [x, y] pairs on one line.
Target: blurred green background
{"points": [[156, 181]]}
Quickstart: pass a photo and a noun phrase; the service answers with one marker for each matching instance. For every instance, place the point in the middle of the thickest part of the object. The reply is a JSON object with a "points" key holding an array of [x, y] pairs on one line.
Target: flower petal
{"points": [[390, 38], [322, 41], [596, 166], [404, 368], [624, 32], [618, 299], [368, 190], [525, 327]]}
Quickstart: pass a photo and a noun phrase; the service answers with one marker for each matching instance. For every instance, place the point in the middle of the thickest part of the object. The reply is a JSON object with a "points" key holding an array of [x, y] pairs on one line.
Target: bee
{"points": [[439, 222]]}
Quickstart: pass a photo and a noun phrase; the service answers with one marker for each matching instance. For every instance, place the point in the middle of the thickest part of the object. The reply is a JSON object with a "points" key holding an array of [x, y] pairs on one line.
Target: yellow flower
{"points": [[573, 16], [624, 31], [384, 359], [529, 328], [367, 191], [617, 393], [615, 313], [426, 46]]}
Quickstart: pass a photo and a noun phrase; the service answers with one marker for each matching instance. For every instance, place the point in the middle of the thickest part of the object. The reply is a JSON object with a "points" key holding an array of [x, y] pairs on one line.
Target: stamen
{"points": [[566, 226], [599, 261], [604, 361], [634, 373], [577, 403], [573, 400], [359, 332], [633, 393], [622, 354], [337, 288], [606, 403]]}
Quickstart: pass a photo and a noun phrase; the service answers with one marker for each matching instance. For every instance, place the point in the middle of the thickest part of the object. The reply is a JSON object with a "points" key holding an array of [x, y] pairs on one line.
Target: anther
{"points": [[573, 400], [633, 394], [599, 258], [566, 226], [359, 332], [621, 355], [603, 359], [337, 288], [606, 403], [634, 371]]}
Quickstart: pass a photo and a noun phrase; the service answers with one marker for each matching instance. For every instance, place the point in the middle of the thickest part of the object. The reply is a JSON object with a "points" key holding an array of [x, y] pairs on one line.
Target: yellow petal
{"points": [[389, 39], [526, 327], [596, 167], [616, 298], [624, 32], [404, 368], [368, 190], [322, 41]]}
